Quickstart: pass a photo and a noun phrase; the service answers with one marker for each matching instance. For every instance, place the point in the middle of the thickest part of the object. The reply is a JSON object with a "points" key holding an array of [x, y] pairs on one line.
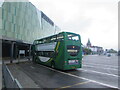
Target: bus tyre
{"points": [[53, 65], [32, 58]]}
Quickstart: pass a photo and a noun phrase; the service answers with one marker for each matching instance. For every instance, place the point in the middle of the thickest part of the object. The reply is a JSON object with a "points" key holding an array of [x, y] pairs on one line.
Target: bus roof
{"points": [[56, 34]]}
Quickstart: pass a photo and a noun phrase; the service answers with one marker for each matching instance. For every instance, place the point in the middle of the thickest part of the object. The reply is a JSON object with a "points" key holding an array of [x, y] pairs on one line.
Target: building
{"points": [[94, 49], [88, 43], [20, 24]]}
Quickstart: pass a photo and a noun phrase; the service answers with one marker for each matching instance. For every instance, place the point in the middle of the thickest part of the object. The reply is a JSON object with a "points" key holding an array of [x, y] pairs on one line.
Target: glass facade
{"points": [[23, 21]]}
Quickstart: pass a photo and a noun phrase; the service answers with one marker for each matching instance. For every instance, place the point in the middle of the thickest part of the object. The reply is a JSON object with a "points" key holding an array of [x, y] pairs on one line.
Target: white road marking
{"points": [[32, 67], [107, 85], [100, 67], [0, 61], [99, 72]]}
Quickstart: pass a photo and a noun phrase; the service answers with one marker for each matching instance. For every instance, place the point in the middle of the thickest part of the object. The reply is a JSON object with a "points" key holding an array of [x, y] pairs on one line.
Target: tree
{"points": [[87, 51], [112, 51]]}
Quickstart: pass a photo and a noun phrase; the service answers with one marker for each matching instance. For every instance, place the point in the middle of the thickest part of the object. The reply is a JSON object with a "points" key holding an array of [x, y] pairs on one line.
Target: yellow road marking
{"points": [[73, 85]]}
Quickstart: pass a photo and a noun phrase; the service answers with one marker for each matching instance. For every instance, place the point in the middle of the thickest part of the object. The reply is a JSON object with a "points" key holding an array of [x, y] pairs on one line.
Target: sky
{"points": [[93, 19]]}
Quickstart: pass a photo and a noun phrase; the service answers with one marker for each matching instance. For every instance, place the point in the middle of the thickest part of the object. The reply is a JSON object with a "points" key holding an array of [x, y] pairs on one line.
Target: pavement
{"points": [[0, 74], [97, 72]]}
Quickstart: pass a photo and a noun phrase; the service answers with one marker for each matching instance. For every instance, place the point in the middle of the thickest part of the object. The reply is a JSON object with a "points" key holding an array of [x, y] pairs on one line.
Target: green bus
{"points": [[60, 51]]}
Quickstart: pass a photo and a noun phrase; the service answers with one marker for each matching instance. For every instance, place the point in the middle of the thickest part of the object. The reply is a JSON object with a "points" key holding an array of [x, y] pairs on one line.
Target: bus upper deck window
{"points": [[73, 37], [60, 37]]}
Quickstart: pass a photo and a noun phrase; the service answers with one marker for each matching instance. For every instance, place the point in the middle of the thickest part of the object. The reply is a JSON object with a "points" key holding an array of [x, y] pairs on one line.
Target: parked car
{"points": [[108, 54]]}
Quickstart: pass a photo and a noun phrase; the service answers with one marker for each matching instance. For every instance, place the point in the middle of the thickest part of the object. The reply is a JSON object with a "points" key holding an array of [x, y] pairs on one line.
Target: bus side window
{"points": [[60, 37], [53, 39], [48, 40]]}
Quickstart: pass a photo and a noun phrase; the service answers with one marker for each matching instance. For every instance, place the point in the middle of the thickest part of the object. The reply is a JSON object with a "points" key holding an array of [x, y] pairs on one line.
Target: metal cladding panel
{"points": [[7, 26], [12, 9], [0, 18], [0, 13], [25, 22], [57, 29], [5, 5], [3, 32], [9, 17], [1, 24], [5, 15], [12, 27], [0, 32], [10, 34], [47, 19], [14, 19], [48, 28]]}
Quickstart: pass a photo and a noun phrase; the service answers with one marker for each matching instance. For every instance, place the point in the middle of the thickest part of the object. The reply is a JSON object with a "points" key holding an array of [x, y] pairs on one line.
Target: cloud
{"points": [[94, 19]]}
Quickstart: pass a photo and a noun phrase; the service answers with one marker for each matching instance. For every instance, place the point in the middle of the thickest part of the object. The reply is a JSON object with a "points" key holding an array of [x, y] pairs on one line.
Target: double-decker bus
{"points": [[60, 51]]}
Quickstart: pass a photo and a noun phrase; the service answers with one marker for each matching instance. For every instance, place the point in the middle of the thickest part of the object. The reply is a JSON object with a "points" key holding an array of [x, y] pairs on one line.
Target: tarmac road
{"points": [[101, 69], [97, 72]]}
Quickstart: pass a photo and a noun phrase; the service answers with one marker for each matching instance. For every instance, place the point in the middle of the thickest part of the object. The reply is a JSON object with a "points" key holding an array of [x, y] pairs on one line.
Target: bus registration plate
{"points": [[71, 62]]}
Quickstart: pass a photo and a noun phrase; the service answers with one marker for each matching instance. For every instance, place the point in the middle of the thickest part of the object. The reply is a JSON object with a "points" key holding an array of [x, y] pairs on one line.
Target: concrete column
{"points": [[29, 53], [30, 50], [12, 52], [16, 51], [0, 49]]}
